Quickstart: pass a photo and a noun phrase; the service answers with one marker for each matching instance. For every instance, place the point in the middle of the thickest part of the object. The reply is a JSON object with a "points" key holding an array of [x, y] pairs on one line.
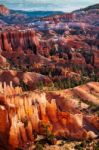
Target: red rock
{"points": [[27, 116], [3, 61], [31, 79], [4, 10], [19, 39]]}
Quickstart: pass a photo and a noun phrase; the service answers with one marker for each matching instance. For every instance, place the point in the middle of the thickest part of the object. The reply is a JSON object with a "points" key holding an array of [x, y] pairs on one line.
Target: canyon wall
{"points": [[24, 39]]}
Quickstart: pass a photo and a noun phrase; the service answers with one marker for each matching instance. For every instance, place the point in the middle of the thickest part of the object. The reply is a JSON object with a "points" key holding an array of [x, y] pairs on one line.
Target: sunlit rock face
{"points": [[4, 11], [25, 113]]}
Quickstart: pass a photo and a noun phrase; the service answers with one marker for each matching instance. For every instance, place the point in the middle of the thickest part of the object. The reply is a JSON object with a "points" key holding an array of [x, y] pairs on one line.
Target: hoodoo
{"points": [[24, 113]]}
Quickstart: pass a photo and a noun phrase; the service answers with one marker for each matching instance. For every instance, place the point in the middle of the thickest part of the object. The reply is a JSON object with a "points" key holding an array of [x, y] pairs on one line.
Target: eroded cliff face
{"points": [[64, 48], [14, 40], [66, 58], [74, 48], [25, 113], [56, 52]]}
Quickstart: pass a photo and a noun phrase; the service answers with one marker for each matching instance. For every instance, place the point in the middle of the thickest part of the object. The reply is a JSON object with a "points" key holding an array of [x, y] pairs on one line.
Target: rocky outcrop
{"points": [[56, 18], [29, 80], [32, 112], [3, 61], [24, 39], [59, 40], [4, 10]]}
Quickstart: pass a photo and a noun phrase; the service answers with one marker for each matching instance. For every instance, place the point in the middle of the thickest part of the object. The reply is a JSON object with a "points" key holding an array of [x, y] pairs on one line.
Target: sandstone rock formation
{"points": [[24, 113], [54, 45], [55, 52], [11, 41], [29, 79], [3, 61]]}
